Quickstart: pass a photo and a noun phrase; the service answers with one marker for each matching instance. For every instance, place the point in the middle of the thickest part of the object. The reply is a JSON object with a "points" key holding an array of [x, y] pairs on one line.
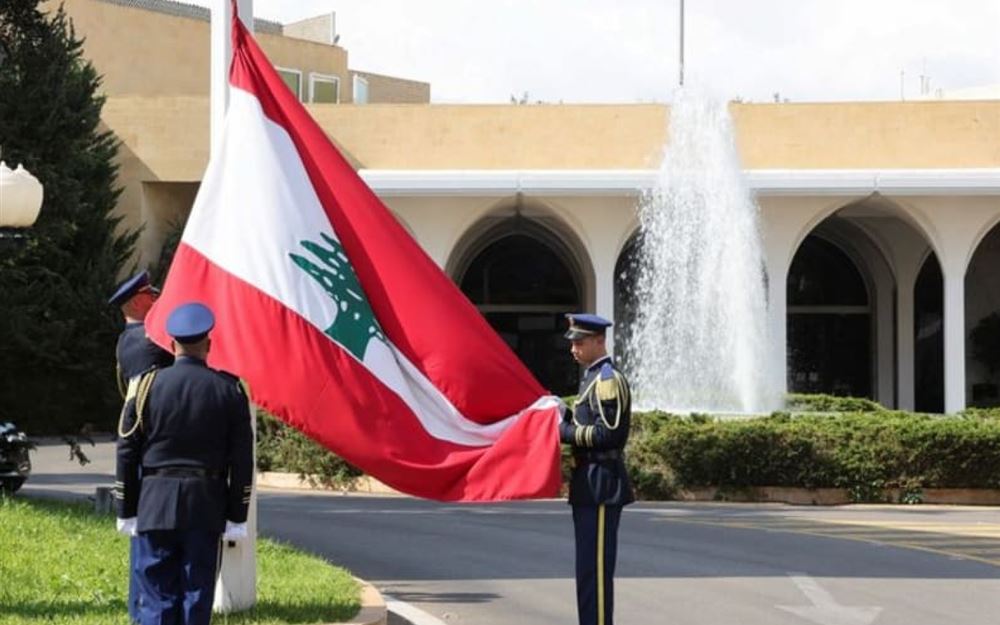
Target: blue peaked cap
{"points": [[128, 288], [189, 323], [585, 324]]}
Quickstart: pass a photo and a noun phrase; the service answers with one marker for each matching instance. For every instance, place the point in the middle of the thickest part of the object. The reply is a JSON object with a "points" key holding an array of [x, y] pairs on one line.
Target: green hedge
{"points": [[865, 450], [283, 448], [796, 402], [862, 452]]}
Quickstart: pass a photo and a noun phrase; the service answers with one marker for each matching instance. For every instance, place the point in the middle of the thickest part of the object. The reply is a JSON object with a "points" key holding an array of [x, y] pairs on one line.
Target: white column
{"points": [[954, 336], [777, 320], [222, 54], [604, 292], [905, 350], [236, 586], [884, 356]]}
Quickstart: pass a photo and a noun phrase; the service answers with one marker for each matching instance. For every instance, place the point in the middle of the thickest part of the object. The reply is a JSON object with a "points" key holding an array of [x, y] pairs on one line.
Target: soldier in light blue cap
{"points": [[597, 429], [185, 470]]}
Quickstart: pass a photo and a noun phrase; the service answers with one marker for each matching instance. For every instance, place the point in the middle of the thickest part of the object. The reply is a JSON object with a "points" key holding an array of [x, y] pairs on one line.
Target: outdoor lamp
{"points": [[20, 197]]}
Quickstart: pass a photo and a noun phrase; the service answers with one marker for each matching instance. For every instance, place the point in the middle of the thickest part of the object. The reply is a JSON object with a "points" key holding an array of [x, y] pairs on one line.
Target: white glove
{"points": [[235, 531], [126, 526], [561, 413]]}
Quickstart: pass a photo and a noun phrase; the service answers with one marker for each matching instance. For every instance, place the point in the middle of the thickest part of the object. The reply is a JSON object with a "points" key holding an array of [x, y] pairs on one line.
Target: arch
{"points": [[980, 237], [907, 213], [819, 217], [534, 217], [521, 265], [624, 299], [982, 304], [831, 309], [928, 335], [629, 236], [913, 217], [524, 273]]}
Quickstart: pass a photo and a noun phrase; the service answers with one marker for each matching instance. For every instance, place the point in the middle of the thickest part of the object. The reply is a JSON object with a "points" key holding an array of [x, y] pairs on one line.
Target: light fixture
{"points": [[20, 197]]}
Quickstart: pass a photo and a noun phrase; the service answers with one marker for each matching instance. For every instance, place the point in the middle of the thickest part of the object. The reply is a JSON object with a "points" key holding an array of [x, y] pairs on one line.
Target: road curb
{"points": [[363, 484], [373, 609], [753, 494], [840, 496]]}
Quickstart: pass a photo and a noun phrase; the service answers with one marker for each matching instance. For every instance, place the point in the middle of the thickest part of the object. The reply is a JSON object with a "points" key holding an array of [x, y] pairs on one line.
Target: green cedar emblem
{"points": [[355, 324]]}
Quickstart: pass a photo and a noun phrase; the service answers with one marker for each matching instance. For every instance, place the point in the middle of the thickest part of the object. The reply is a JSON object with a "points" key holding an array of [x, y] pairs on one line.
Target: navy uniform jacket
{"points": [[599, 473], [196, 418], [136, 354]]}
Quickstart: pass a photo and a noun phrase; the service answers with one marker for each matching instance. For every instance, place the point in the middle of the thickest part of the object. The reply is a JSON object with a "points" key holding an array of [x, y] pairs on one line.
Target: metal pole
{"points": [[236, 584], [682, 45], [221, 56]]}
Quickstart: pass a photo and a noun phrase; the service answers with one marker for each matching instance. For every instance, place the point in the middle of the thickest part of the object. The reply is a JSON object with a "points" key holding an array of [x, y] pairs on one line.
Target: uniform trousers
{"points": [[133, 580], [176, 570], [596, 529]]}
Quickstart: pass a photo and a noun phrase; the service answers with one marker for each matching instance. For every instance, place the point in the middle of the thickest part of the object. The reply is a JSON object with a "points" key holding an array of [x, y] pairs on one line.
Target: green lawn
{"points": [[61, 563]]}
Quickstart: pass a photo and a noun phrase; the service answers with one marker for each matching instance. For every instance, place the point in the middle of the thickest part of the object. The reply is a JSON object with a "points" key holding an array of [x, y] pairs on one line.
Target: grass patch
{"points": [[61, 563]]}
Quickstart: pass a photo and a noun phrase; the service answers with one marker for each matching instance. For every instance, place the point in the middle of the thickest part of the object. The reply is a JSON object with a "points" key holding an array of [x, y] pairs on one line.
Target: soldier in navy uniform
{"points": [[597, 428], [184, 473], [135, 354]]}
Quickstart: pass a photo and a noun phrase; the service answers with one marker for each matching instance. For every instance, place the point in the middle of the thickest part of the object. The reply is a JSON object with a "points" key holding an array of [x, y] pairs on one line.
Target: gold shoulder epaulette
{"points": [[607, 390], [138, 390]]}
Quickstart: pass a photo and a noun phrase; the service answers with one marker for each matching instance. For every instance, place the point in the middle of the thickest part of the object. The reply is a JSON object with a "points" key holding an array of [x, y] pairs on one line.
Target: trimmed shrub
{"points": [[796, 402], [283, 448], [862, 452], [865, 452]]}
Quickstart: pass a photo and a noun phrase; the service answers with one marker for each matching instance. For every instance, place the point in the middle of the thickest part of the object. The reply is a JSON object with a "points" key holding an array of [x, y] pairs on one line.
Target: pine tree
{"points": [[57, 333]]}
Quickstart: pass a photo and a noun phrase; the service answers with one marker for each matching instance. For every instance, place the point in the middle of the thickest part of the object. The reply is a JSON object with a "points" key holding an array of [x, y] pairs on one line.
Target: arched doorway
{"points": [[626, 302], [829, 322], [982, 321], [928, 340], [524, 280]]}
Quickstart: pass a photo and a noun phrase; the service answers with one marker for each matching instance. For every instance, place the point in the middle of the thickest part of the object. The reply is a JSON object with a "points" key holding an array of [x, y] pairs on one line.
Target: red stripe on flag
{"points": [[419, 308], [298, 373]]}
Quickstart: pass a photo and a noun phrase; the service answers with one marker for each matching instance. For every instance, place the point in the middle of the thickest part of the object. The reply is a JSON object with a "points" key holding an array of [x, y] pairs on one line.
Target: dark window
{"points": [[823, 275], [524, 288], [519, 269], [928, 328], [829, 323], [626, 297]]}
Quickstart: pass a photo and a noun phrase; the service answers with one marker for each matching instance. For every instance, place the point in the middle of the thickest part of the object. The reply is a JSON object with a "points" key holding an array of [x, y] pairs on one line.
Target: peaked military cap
{"points": [[127, 289], [190, 322], [582, 325]]}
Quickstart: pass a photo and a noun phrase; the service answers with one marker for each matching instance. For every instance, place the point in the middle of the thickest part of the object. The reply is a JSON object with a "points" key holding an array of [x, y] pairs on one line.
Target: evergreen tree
{"points": [[57, 334]]}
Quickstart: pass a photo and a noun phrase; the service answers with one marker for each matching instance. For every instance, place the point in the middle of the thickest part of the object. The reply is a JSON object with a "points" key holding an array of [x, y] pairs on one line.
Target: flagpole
{"points": [[236, 586], [222, 54]]}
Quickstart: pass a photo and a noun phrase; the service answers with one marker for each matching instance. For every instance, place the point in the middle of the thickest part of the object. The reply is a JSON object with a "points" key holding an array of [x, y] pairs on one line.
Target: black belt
{"points": [[597, 456], [196, 472]]}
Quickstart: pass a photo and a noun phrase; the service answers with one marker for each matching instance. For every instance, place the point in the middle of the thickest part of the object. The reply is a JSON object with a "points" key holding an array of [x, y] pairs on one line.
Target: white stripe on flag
{"points": [[255, 206]]}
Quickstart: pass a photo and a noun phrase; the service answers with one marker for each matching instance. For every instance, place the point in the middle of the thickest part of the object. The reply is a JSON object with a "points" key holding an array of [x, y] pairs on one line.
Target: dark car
{"points": [[15, 465]]}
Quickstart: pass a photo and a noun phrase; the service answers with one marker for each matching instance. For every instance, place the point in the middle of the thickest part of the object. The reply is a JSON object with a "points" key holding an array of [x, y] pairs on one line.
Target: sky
{"points": [[628, 50]]}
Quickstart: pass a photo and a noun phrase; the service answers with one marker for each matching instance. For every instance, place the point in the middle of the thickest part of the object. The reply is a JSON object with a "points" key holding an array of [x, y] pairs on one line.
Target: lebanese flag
{"points": [[342, 326]]}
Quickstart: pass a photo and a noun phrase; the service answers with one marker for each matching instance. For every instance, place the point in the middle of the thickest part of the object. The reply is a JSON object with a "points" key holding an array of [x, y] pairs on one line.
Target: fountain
{"points": [[698, 340]]}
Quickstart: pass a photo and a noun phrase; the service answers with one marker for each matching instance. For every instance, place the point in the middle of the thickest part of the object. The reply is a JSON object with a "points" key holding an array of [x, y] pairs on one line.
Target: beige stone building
{"points": [[891, 208]]}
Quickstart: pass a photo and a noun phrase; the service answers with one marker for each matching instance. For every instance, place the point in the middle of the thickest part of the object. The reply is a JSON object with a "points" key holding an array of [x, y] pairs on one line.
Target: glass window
{"points": [[829, 323], [292, 79], [324, 89], [360, 90], [524, 288], [519, 269], [823, 275]]}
